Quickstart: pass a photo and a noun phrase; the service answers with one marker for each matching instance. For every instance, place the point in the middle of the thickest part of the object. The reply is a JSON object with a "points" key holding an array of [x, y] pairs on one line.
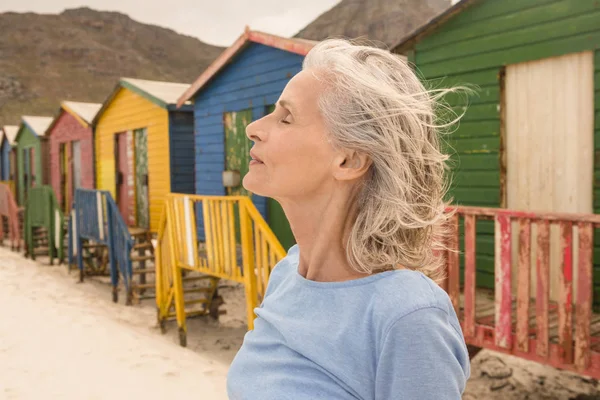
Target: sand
{"points": [[63, 340]]}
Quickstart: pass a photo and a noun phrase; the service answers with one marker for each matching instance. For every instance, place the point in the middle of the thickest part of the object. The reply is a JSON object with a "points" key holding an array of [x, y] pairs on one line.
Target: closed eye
{"points": [[286, 120]]}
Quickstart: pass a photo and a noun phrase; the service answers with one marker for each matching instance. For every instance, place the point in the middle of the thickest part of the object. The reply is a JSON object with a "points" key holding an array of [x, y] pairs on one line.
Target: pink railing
{"points": [[555, 331], [10, 211]]}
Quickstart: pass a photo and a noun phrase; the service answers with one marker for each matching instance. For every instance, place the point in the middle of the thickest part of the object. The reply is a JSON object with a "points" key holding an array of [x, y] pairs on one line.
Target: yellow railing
{"points": [[237, 245]]}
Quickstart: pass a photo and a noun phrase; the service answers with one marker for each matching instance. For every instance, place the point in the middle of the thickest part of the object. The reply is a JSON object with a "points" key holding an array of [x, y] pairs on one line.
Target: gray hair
{"points": [[374, 103]]}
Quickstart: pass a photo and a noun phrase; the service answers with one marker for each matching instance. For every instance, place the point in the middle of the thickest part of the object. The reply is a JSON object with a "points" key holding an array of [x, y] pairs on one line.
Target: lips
{"points": [[255, 157]]}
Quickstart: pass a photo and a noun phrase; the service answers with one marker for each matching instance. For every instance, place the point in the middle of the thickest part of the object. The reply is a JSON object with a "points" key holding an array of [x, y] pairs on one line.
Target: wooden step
{"points": [[196, 301], [138, 286], [93, 246], [144, 271], [143, 245], [198, 290], [196, 278], [142, 258]]}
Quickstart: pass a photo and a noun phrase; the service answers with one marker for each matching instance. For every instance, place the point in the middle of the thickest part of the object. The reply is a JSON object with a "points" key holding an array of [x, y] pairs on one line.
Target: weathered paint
{"points": [[453, 264], [65, 130], [253, 80], [583, 311], [523, 282], [141, 178], [129, 111], [469, 287], [503, 282], [565, 302], [471, 45], [536, 339], [237, 147], [543, 287]]}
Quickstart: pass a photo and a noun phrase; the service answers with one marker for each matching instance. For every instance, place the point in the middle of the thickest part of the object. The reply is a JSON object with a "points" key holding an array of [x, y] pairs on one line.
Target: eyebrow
{"points": [[287, 105]]}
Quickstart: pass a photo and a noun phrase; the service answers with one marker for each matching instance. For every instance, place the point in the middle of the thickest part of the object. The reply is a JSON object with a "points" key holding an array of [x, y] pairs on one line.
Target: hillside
{"points": [[382, 21], [79, 55]]}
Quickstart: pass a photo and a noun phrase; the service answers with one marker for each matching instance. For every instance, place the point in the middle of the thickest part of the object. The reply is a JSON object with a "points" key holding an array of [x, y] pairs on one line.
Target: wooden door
{"points": [[237, 146], [124, 177], [75, 169], [63, 171], [28, 170], [141, 179], [33, 178], [549, 143]]}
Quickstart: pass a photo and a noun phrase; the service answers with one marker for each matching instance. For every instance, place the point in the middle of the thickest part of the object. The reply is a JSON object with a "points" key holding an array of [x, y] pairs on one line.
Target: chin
{"points": [[253, 185]]}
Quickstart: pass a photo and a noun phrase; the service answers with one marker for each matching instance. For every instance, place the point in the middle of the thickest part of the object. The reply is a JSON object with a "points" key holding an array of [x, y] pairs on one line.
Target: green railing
{"points": [[43, 211]]}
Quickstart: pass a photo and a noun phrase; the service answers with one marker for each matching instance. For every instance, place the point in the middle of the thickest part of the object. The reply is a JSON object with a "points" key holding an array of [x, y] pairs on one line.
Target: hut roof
{"points": [[38, 125], [163, 94], [293, 45], [85, 111], [431, 25], [10, 132]]}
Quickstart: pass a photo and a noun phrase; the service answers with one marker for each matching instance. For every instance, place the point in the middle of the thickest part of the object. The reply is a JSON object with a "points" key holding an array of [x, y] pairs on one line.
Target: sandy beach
{"points": [[63, 340]]}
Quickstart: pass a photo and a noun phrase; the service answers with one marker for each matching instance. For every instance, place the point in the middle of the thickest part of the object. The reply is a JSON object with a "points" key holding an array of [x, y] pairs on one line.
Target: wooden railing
{"points": [[10, 211], [529, 323], [238, 245], [97, 218]]}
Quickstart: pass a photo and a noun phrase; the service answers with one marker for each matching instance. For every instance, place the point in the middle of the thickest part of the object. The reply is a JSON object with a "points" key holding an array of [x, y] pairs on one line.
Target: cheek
{"points": [[294, 168]]}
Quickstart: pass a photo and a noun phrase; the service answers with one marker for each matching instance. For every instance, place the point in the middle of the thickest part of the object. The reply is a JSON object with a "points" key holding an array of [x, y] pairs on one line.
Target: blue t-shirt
{"points": [[391, 335]]}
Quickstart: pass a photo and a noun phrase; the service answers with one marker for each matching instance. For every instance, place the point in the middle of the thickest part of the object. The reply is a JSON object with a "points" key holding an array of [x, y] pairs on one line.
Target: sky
{"points": [[217, 22]]}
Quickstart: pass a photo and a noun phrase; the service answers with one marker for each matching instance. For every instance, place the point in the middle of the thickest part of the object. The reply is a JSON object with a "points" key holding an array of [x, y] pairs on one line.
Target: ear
{"points": [[351, 165]]}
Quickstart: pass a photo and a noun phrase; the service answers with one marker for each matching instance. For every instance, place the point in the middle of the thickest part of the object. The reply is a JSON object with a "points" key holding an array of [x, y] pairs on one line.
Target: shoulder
{"points": [[405, 292], [285, 268]]}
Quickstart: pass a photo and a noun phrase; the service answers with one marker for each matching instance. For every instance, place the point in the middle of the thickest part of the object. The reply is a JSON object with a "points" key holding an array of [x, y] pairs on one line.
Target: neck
{"points": [[321, 226]]}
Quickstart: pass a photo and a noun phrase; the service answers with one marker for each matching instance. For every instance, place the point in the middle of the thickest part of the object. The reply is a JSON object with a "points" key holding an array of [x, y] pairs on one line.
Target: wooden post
{"points": [[565, 300], [543, 288], [503, 295], [583, 310], [469, 288], [523, 283], [453, 265]]}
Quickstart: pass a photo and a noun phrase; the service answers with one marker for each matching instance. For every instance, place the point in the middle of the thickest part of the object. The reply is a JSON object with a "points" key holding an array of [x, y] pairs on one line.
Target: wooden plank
{"points": [[453, 264], [503, 299], [536, 51], [583, 310], [581, 18], [492, 18], [565, 299], [543, 287], [523, 282], [469, 288]]}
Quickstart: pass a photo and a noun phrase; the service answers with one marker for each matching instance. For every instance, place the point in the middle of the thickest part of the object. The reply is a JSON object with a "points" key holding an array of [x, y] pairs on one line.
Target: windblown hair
{"points": [[374, 103]]}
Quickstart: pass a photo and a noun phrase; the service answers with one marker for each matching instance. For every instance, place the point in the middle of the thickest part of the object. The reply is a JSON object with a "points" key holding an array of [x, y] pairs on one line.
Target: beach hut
{"points": [[529, 138], [32, 155], [7, 155], [144, 148], [240, 86], [71, 150]]}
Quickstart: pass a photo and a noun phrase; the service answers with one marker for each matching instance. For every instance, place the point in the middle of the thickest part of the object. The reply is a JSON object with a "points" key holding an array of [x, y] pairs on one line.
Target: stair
{"points": [[200, 291]]}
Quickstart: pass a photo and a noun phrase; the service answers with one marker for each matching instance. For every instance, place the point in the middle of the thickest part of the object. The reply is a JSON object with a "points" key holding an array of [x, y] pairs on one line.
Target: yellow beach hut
{"points": [[144, 148]]}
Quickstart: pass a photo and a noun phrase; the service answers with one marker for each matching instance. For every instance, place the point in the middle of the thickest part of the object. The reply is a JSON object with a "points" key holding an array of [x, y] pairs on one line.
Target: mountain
{"points": [[383, 21], [81, 53]]}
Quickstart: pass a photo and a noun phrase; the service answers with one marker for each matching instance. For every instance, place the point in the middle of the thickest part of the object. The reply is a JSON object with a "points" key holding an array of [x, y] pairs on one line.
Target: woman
{"points": [[352, 154]]}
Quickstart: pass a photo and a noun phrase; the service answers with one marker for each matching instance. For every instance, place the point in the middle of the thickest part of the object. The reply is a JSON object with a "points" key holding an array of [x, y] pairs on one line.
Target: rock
{"points": [[495, 368]]}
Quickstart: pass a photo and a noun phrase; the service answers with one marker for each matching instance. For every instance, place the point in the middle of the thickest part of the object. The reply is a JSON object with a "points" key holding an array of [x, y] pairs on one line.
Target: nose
{"points": [[255, 131]]}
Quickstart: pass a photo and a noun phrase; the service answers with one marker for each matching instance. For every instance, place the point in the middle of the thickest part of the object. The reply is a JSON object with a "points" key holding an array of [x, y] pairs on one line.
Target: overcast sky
{"points": [[217, 22]]}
